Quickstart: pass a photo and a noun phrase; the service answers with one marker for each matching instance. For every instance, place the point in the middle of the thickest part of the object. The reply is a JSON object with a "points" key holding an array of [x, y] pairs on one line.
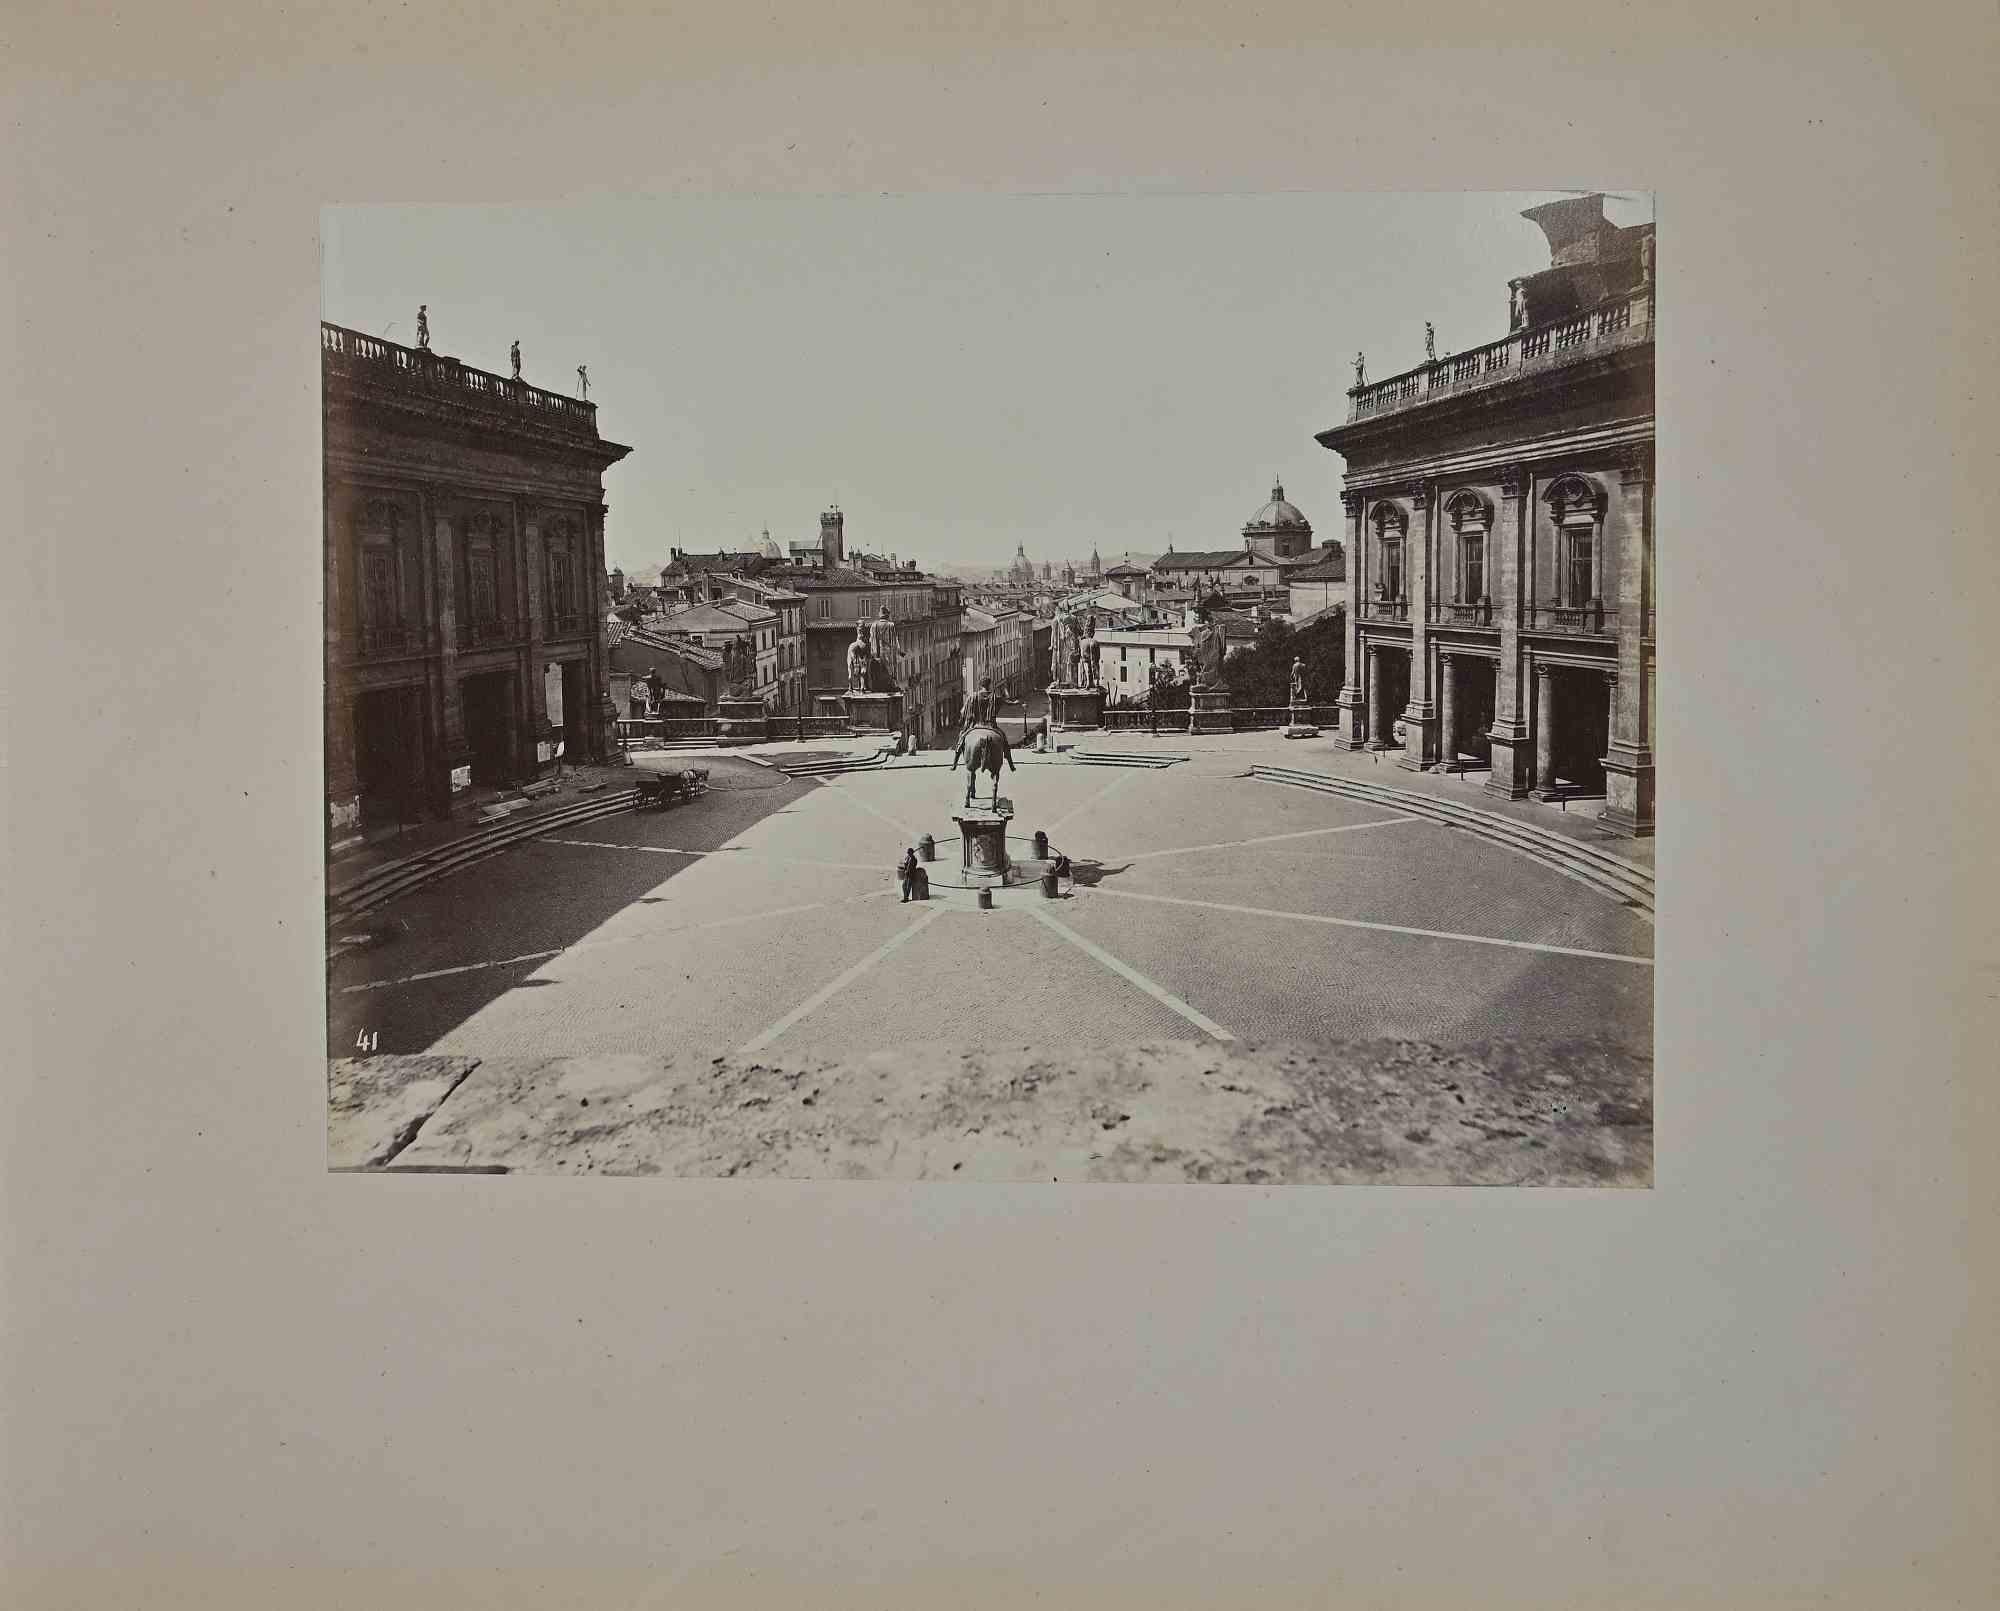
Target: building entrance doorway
{"points": [[488, 699], [1472, 708], [1390, 695], [1581, 731], [388, 755]]}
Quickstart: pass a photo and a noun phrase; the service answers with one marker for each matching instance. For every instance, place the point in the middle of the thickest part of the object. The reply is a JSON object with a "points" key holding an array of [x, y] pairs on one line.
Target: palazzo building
{"points": [[464, 585], [1501, 554]]}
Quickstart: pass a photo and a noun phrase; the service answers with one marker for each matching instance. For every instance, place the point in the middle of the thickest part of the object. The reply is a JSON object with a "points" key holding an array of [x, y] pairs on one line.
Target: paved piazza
{"points": [[764, 916]]}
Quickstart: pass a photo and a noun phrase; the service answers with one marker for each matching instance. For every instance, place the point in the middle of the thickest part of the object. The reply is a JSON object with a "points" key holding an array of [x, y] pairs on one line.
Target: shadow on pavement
{"points": [[480, 933]]}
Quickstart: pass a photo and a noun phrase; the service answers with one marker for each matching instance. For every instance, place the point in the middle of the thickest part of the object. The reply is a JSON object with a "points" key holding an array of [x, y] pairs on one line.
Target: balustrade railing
{"points": [[1476, 614], [1592, 620], [1388, 609], [492, 630], [385, 638], [1498, 359], [352, 352]]}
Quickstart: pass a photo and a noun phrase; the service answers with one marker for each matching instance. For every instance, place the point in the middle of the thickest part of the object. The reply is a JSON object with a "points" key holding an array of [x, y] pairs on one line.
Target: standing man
{"points": [[906, 872]]}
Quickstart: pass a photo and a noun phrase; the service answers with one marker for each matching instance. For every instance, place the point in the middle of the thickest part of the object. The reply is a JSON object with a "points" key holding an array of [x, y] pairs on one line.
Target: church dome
{"points": [[1278, 513]]}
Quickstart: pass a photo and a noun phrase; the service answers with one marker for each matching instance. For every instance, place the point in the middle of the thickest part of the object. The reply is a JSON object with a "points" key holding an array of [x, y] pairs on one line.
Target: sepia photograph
{"points": [[1013, 689]]}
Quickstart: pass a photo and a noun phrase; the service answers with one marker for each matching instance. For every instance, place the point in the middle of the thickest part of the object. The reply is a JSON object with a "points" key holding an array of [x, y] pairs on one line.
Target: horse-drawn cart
{"points": [[658, 790]]}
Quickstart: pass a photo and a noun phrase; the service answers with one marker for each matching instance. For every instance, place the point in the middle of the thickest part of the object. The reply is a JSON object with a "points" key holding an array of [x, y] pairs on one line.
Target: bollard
{"points": [[1050, 889], [927, 848], [986, 900], [1041, 845]]}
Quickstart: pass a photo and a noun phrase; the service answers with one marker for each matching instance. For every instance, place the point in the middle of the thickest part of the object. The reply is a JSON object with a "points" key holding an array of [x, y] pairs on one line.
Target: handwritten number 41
{"points": [[368, 1039]]}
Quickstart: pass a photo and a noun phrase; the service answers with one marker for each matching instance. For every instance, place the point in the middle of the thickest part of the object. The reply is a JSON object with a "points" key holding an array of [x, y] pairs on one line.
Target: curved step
{"points": [[1624, 881], [382, 884]]}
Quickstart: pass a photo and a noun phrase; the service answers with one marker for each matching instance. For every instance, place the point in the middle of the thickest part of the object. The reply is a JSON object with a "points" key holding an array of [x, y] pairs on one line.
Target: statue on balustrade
{"points": [[515, 354], [1360, 371], [1430, 343], [1298, 681], [423, 327]]}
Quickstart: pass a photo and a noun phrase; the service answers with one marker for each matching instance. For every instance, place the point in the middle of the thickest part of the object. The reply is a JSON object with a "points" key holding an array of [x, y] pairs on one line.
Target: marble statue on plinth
{"points": [[1298, 681], [857, 661]]}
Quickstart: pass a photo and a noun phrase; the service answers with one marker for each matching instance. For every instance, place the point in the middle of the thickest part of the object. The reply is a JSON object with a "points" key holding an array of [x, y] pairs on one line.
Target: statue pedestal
{"points": [[742, 721], [1209, 711], [1075, 708], [984, 836], [1300, 725], [875, 713], [830, 707]]}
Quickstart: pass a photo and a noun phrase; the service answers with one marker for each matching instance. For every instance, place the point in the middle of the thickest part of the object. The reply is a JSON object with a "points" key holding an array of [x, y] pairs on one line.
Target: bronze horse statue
{"points": [[985, 749]]}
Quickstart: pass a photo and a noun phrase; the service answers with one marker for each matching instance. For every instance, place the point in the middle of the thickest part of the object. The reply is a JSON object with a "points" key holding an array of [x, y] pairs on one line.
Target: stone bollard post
{"points": [[927, 848], [1041, 845]]}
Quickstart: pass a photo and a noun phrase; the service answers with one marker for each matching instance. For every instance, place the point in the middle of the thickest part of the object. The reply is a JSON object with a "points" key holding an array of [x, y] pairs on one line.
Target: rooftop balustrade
{"points": [[1622, 322], [419, 371]]}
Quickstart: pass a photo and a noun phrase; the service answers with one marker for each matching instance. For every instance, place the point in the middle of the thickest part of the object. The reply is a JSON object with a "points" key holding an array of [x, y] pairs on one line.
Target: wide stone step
{"points": [[1114, 758], [1623, 881]]}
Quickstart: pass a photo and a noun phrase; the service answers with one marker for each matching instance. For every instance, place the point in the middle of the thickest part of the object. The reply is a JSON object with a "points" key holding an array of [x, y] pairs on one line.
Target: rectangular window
{"points": [[485, 601], [380, 605], [1472, 573], [1576, 571], [1392, 568]]}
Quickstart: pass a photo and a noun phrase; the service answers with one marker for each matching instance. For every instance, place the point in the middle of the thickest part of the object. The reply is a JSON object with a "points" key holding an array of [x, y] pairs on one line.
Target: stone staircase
{"points": [[1151, 758], [1625, 882]]}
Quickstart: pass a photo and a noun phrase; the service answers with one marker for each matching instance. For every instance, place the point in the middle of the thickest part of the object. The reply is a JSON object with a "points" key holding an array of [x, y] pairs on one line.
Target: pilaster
{"points": [[1351, 728], [343, 786], [535, 729], [1510, 775], [1420, 717], [1628, 761], [457, 751]]}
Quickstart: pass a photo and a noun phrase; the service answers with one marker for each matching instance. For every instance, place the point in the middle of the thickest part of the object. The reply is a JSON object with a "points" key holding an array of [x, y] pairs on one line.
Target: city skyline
{"points": [[893, 355]]}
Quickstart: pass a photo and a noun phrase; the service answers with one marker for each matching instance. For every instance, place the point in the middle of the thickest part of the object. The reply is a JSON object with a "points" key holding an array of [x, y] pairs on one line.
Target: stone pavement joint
{"points": [[1166, 998], [1380, 928], [826, 992]]}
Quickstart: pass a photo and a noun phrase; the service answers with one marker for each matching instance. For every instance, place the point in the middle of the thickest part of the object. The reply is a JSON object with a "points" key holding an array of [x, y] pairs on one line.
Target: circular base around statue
{"points": [[1023, 878]]}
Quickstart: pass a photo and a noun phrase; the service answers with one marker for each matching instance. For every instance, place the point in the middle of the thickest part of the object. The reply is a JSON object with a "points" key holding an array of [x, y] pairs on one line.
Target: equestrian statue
{"points": [[981, 742]]}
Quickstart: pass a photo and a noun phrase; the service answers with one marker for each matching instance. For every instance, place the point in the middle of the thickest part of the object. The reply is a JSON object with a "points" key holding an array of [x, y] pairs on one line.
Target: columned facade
{"points": [[464, 584], [1501, 553]]}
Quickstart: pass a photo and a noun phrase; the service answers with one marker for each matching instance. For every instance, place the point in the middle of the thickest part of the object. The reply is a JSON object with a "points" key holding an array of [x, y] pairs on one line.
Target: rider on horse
{"points": [[981, 716]]}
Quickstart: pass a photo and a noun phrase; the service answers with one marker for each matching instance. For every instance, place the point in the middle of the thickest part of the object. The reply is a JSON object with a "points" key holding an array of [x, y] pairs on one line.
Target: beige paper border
{"points": [[1767, 1382]]}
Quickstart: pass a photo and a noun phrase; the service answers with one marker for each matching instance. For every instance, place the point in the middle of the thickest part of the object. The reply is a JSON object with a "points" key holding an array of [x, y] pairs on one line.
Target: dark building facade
{"points": [[1501, 547], [464, 585]]}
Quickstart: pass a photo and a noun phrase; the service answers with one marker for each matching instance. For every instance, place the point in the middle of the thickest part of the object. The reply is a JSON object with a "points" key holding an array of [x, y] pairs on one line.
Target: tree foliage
{"points": [[1261, 675]]}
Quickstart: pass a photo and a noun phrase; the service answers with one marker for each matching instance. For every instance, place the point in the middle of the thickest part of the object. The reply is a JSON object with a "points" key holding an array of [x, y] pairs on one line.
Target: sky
{"points": [[960, 374]]}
